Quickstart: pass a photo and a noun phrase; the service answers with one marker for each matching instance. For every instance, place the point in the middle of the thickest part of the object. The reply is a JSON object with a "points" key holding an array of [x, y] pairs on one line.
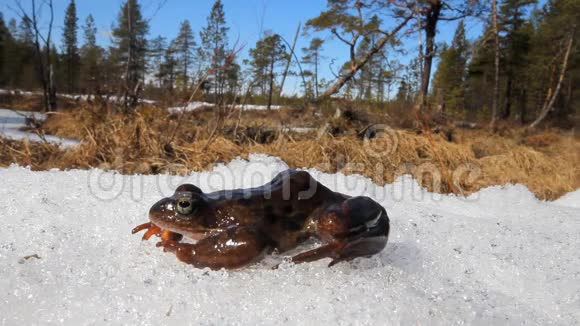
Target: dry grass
{"points": [[547, 162]]}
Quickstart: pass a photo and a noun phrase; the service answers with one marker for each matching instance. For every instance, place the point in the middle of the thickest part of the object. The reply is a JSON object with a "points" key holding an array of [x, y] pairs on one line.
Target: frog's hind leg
{"points": [[359, 227], [232, 248]]}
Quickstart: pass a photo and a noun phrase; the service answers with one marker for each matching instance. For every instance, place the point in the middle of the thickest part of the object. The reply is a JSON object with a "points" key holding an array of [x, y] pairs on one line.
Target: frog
{"points": [[231, 229]]}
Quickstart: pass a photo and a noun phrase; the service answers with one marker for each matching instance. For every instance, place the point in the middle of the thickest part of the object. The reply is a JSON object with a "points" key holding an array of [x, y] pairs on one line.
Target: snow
{"points": [[11, 121], [571, 199], [76, 97], [192, 106], [499, 256]]}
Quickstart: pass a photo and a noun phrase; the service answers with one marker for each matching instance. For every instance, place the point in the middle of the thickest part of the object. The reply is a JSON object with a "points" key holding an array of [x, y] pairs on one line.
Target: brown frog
{"points": [[234, 228]]}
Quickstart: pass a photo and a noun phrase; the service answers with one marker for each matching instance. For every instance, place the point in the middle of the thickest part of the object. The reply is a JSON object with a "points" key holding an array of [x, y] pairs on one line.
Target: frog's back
{"points": [[283, 207]]}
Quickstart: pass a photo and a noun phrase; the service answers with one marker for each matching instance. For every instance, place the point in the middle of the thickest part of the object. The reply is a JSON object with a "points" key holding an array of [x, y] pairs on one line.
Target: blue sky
{"points": [[246, 19]]}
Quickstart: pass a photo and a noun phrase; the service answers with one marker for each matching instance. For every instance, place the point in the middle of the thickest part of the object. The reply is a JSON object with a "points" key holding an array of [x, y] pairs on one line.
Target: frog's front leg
{"points": [[232, 248], [153, 229], [359, 227]]}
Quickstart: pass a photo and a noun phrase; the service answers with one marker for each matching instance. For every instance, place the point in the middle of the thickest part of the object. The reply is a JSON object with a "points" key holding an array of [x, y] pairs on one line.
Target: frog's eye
{"points": [[184, 206]]}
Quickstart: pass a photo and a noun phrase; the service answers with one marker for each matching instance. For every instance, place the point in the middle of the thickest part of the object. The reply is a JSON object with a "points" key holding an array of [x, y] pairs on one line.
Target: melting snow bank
{"points": [[76, 97], [499, 256], [12, 120], [198, 105]]}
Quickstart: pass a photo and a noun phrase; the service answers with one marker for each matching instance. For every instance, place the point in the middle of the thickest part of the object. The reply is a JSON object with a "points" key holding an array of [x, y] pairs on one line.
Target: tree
{"points": [[167, 70], [449, 79], [5, 42], [70, 47], [481, 72], [214, 44], [42, 46], [312, 58], [185, 47], [130, 49], [25, 34], [92, 56], [24, 59], [515, 46], [430, 12], [346, 20], [157, 48], [268, 53], [551, 99], [555, 55]]}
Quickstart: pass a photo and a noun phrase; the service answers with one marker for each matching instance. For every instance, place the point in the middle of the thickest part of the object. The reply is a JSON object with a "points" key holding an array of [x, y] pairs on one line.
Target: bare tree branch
{"points": [[358, 64], [547, 108]]}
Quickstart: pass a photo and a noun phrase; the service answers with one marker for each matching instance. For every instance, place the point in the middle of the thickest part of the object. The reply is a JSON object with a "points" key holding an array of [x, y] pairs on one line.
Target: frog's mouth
{"points": [[168, 233], [189, 232]]}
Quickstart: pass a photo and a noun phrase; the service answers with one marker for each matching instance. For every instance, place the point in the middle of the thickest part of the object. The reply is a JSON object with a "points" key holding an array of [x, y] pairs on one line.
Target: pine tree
{"points": [[91, 58], [4, 48], [70, 48], [214, 40], [185, 47], [449, 80], [167, 70], [26, 74], [157, 48], [312, 58], [268, 53], [130, 50], [25, 33], [515, 45]]}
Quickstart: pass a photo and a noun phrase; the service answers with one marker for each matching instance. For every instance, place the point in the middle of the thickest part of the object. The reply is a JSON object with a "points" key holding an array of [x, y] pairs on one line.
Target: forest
{"points": [[494, 75]]}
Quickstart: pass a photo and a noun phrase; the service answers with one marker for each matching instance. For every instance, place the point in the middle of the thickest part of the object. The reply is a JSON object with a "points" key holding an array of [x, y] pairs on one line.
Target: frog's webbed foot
{"points": [[359, 228], [232, 248], [153, 229]]}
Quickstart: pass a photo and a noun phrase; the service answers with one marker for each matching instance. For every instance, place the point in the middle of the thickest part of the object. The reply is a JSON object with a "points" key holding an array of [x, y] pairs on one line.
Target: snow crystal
{"points": [[67, 256]]}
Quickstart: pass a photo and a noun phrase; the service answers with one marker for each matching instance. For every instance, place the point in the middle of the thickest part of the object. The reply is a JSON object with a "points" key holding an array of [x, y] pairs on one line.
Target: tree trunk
{"points": [[523, 106], [43, 64], [128, 75], [508, 98], [565, 110], [271, 91], [548, 107], [338, 84], [495, 98], [431, 19], [316, 73], [289, 59], [185, 68]]}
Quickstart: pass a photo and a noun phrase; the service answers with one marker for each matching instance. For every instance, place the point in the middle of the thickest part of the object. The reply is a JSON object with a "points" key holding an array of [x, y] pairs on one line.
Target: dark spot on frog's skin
{"points": [[270, 218], [245, 201], [300, 216], [291, 225], [288, 209]]}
